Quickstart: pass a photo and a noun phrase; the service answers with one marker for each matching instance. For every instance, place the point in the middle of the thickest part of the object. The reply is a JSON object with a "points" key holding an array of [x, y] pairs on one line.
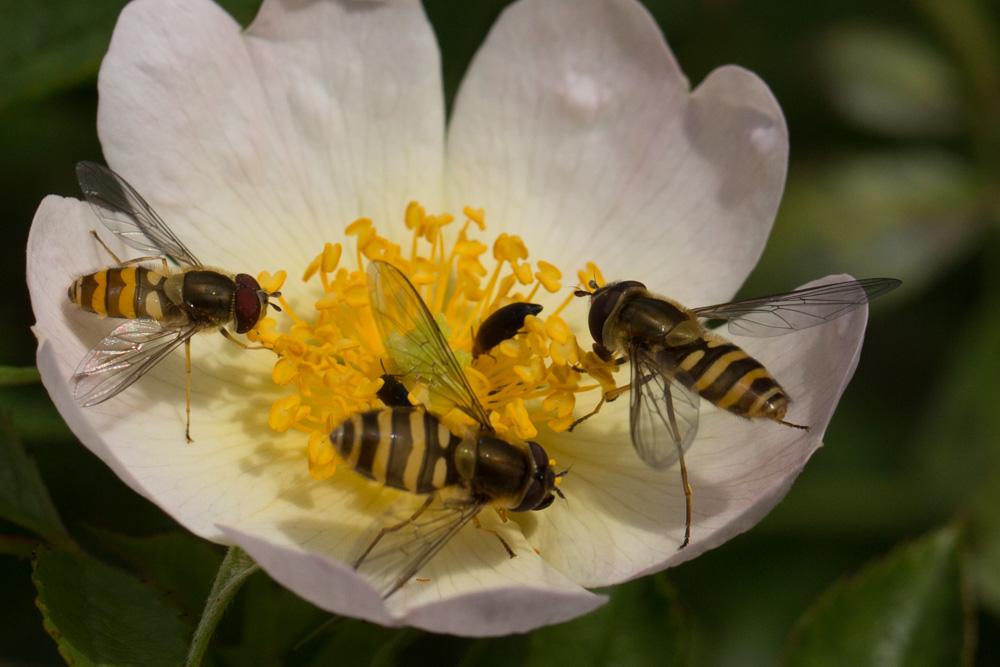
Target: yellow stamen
{"points": [[332, 358], [271, 282]]}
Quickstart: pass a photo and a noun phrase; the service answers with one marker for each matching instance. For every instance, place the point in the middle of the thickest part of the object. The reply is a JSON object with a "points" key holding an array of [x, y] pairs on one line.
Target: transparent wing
{"points": [[415, 343], [778, 314], [124, 356], [400, 554], [128, 216], [664, 413]]}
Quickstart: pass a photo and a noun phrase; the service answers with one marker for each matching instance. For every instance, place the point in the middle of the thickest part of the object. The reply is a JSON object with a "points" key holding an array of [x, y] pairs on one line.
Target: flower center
{"points": [[333, 360]]}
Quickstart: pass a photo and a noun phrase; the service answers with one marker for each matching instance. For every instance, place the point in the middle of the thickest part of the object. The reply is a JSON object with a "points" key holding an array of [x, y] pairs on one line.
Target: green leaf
{"points": [[49, 46], [641, 624], [907, 214], [355, 642], [46, 46], [18, 375], [180, 565], [956, 446], [101, 616], [271, 622], [891, 82], [24, 500], [983, 544], [906, 609], [17, 545]]}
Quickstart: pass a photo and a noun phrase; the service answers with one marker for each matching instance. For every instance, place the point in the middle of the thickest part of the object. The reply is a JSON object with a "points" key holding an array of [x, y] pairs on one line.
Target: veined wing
{"points": [[124, 356], [778, 314], [128, 216], [401, 553], [663, 412], [414, 341]]}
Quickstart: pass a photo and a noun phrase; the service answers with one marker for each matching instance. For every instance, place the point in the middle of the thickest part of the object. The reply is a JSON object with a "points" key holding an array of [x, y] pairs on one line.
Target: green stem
{"points": [[15, 375], [234, 570]]}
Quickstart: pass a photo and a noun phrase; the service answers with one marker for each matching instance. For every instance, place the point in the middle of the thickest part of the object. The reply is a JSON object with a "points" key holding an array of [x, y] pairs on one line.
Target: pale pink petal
{"points": [[471, 588], [622, 519], [257, 147], [575, 128], [235, 467]]}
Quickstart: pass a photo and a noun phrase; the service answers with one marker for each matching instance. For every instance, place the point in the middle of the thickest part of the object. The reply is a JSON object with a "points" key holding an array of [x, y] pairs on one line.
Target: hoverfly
{"points": [[162, 309], [675, 359], [410, 449]]}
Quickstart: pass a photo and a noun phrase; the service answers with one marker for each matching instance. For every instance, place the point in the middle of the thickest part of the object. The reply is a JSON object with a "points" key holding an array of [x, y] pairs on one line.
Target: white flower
{"points": [[575, 129]]}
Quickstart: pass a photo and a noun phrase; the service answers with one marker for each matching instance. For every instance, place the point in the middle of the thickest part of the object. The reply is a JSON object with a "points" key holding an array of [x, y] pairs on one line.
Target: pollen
{"points": [[331, 359]]}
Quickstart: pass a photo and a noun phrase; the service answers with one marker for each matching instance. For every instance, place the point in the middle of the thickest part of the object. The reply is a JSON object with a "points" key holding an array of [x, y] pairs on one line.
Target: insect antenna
{"points": [[272, 304], [558, 481]]}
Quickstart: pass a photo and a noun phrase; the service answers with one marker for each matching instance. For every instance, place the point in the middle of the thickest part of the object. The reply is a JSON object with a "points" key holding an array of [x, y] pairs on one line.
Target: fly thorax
{"points": [[648, 318], [208, 296], [684, 333], [465, 459], [501, 470]]}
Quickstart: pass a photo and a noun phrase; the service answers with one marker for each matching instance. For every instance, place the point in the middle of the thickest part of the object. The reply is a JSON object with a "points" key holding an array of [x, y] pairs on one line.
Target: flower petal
{"points": [[622, 519], [273, 139], [234, 467], [470, 588], [574, 128]]}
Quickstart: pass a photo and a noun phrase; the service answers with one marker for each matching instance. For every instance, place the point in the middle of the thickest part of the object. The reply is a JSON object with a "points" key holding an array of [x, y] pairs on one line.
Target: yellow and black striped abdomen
{"points": [[729, 378], [403, 447], [126, 292]]}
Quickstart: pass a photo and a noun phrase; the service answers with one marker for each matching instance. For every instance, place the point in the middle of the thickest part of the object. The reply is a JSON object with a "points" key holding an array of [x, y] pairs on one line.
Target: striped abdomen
{"points": [[403, 447], [728, 377], [127, 292]]}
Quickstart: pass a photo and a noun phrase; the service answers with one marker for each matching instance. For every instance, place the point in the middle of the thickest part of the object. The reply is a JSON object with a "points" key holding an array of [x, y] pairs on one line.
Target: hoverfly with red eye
{"points": [[407, 448], [676, 360], [162, 308]]}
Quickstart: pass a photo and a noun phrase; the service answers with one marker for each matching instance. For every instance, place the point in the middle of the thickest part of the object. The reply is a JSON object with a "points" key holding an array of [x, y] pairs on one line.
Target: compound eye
{"points": [[603, 303], [546, 501], [600, 309], [248, 304], [538, 455], [533, 498]]}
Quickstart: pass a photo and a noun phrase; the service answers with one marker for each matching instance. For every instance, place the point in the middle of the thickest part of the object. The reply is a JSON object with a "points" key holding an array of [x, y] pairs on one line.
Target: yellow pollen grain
{"points": [[549, 276], [312, 268], [331, 257], [557, 330], [283, 413], [285, 370], [322, 456], [476, 215], [591, 272], [271, 282]]}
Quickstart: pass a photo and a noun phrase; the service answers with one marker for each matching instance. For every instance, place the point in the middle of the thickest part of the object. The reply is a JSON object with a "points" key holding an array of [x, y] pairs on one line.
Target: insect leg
{"points": [[105, 246], [507, 547], [233, 339], [135, 260], [804, 428], [187, 388], [672, 418], [390, 529], [606, 397]]}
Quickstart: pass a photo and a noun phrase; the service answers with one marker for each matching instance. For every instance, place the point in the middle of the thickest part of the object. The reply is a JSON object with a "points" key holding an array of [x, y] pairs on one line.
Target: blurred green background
{"points": [[887, 549]]}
